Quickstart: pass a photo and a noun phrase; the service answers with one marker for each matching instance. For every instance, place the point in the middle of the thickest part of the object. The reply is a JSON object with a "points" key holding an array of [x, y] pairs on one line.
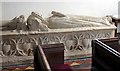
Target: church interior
{"points": [[60, 36]]}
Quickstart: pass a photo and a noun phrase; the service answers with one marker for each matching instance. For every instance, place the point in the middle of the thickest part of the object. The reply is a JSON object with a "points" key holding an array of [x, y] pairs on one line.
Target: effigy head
{"points": [[35, 22], [20, 19]]}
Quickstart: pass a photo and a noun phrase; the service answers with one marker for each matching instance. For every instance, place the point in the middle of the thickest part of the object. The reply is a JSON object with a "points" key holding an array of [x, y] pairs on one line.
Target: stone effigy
{"points": [[15, 24], [58, 21], [76, 32], [21, 23], [36, 22]]}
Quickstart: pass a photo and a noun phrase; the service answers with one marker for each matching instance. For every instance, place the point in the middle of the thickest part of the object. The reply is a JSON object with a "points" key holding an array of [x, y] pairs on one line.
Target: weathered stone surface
{"points": [[18, 23], [35, 22], [77, 40], [73, 21]]}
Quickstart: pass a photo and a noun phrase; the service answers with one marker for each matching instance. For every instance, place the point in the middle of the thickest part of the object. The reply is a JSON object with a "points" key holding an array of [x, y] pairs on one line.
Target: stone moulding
{"points": [[77, 41]]}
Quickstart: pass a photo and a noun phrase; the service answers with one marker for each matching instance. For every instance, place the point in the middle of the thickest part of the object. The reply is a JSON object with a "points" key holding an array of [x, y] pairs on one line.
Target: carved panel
{"points": [[20, 45]]}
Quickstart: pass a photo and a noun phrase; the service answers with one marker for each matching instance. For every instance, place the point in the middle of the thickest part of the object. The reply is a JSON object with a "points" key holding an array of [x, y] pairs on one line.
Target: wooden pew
{"points": [[50, 57], [106, 55], [54, 53], [40, 60]]}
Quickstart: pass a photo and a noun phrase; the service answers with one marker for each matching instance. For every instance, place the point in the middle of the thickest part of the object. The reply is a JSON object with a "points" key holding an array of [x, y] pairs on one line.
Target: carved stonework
{"points": [[22, 44], [18, 46], [35, 22], [76, 32]]}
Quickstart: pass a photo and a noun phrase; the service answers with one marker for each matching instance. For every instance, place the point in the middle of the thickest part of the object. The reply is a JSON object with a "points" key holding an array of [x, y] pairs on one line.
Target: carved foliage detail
{"points": [[22, 45]]}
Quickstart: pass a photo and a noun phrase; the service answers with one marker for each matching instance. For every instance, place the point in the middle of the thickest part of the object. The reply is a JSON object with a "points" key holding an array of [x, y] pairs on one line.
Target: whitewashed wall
{"points": [[12, 8], [118, 27]]}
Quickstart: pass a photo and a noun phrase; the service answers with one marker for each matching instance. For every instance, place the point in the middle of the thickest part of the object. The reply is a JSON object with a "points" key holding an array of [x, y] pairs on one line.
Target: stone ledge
{"points": [[10, 60]]}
